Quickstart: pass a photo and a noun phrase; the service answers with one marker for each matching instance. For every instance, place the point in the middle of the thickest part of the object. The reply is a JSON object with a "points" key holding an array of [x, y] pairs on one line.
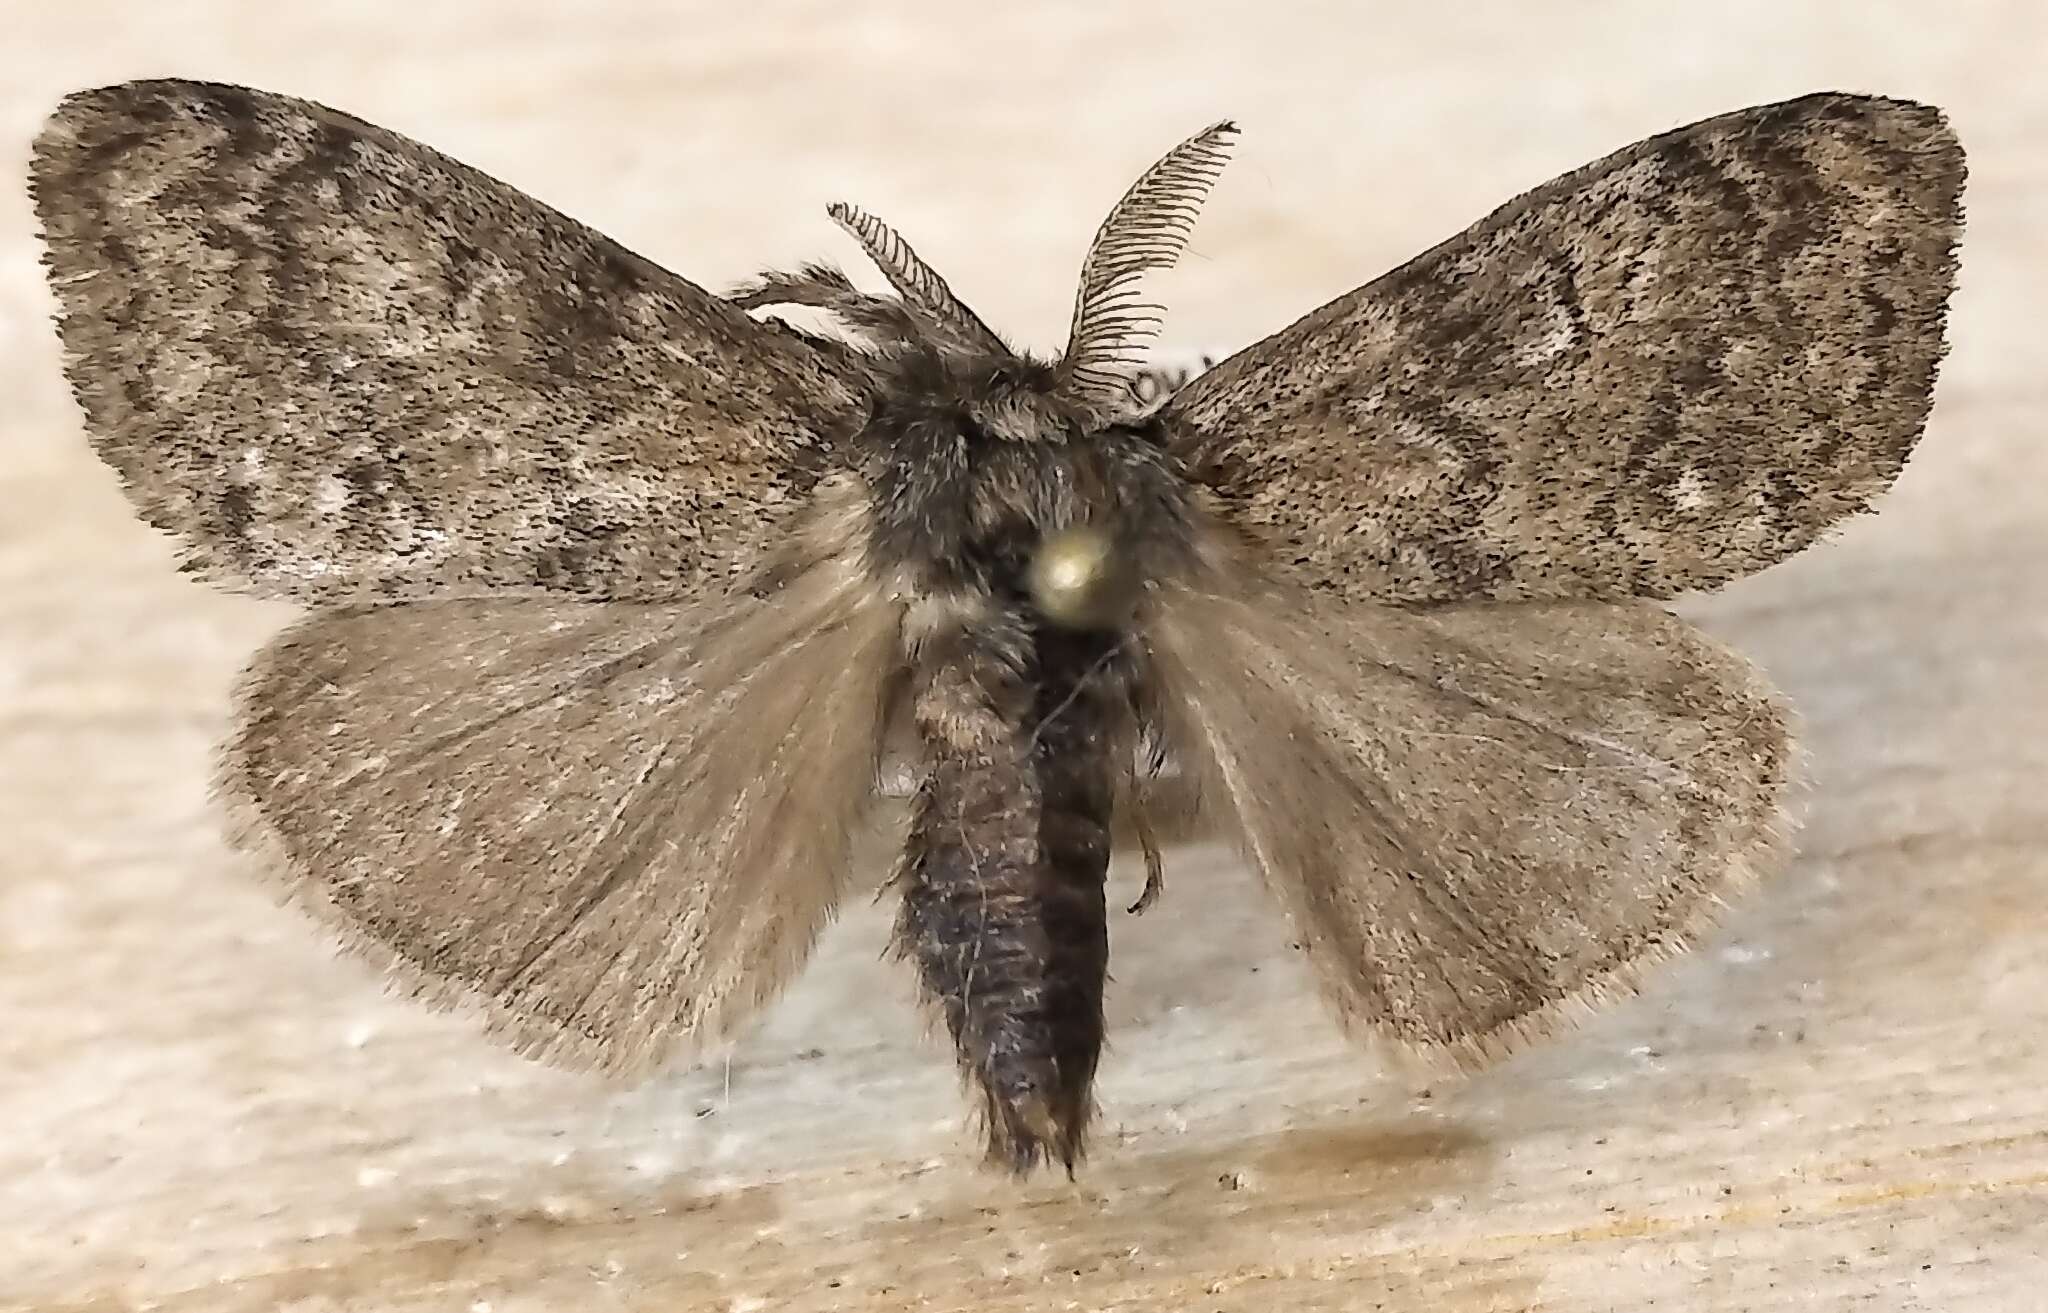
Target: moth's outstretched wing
{"points": [[341, 367], [1674, 367], [1483, 818], [613, 828]]}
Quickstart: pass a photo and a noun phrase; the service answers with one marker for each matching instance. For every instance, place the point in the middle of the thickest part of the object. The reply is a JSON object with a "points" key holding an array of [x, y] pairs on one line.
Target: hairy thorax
{"points": [[992, 492]]}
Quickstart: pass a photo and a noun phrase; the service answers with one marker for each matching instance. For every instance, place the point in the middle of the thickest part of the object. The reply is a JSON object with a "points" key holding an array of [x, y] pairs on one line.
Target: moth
{"points": [[622, 593]]}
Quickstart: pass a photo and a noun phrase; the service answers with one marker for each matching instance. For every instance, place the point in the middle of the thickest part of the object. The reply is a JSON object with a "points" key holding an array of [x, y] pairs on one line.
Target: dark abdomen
{"points": [[1003, 905]]}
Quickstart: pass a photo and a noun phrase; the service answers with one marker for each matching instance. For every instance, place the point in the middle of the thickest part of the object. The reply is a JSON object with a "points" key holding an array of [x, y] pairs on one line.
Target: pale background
{"points": [[1841, 1101]]}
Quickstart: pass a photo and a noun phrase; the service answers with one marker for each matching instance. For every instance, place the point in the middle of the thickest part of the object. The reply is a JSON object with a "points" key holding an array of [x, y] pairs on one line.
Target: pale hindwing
{"points": [[1669, 369], [1482, 818], [341, 367], [616, 828]]}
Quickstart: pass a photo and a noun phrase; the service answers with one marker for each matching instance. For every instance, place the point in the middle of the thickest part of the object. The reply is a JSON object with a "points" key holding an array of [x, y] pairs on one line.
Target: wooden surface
{"points": [[1841, 1101]]}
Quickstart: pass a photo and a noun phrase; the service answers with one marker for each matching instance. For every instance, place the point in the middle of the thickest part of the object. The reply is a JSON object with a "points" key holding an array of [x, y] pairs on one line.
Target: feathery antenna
{"points": [[1146, 231], [920, 287]]}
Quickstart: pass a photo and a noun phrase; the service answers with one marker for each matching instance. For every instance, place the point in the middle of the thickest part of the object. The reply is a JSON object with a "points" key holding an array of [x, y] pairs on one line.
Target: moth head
{"points": [[1033, 442]]}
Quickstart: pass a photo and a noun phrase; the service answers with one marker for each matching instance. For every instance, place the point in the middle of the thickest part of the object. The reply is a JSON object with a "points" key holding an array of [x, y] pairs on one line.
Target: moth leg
{"points": [[1155, 866]]}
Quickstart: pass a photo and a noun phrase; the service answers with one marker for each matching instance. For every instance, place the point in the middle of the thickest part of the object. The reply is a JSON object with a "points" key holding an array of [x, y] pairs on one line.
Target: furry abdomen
{"points": [[1002, 879]]}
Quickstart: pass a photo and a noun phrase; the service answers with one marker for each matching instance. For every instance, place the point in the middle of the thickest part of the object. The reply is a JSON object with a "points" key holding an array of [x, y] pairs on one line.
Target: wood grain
{"points": [[1841, 1101]]}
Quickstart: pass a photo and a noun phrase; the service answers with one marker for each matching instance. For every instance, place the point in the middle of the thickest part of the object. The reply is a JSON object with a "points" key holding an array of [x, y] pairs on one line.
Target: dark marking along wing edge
{"points": [[1661, 372], [342, 367]]}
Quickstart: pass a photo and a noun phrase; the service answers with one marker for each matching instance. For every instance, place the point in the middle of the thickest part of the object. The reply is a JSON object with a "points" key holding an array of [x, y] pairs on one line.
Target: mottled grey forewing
{"points": [[613, 828], [1482, 818], [1668, 369], [340, 366]]}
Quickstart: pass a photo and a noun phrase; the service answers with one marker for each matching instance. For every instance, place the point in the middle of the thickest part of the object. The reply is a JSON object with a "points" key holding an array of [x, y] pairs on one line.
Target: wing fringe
{"points": [[1234, 681], [793, 683]]}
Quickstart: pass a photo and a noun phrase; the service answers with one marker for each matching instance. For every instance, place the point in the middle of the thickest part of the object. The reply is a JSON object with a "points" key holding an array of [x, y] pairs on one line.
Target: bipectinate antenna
{"points": [[1146, 231]]}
